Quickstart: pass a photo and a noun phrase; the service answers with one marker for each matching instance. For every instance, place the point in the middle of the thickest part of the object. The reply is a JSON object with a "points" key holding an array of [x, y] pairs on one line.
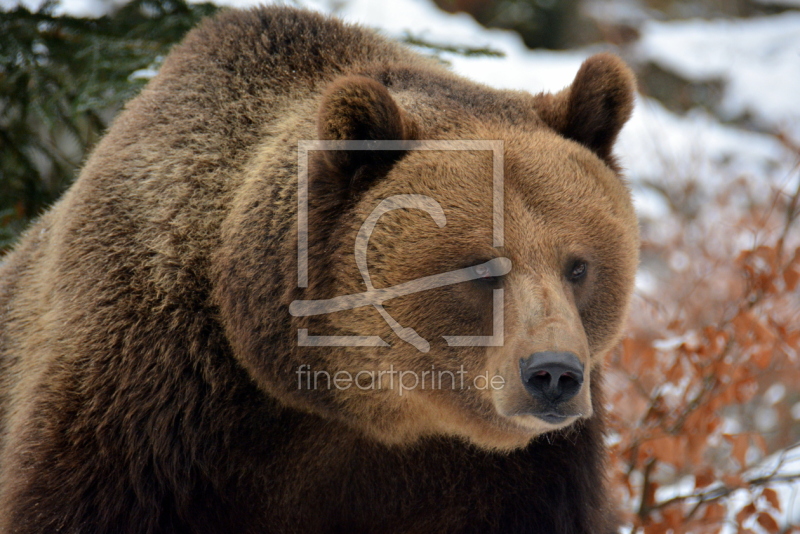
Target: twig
{"points": [[791, 214], [720, 492], [644, 506]]}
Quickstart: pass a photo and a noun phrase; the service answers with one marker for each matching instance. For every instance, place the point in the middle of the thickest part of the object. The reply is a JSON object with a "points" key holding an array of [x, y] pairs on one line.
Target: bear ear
{"points": [[356, 108], [593, 110]]}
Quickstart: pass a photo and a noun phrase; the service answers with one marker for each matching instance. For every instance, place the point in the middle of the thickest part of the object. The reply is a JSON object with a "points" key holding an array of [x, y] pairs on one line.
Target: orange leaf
{"points": [[673, 517], [770, 254], [768, 522], [714, 513], [704, 478], [772, 498], [747, 327], [762, 357], [790, 277], [745, 512], [733, 480], [743, 325], [762, 333], [696, 449], [668, 449], [740, 442], [675, 372], [745, 390]]}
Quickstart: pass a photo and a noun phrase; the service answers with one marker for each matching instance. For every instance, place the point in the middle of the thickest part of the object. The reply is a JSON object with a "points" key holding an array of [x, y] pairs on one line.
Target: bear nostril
{"points": [[567, 377], [552, 376], [542, 378]]}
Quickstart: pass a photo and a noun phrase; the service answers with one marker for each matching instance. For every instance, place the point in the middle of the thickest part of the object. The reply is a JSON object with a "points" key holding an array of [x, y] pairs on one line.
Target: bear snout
{"points": [[552, 378]]}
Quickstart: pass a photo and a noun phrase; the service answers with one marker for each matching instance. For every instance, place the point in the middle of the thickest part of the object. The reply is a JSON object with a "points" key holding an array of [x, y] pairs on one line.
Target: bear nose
{"points": [[555, 377]]}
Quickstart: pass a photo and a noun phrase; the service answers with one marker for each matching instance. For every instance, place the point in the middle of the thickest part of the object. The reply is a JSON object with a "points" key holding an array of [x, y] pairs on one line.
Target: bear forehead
{"points": [[550, 170], [542, 173]]}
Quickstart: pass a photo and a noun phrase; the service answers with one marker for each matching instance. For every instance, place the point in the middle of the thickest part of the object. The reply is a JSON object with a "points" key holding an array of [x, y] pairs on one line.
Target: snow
{"points": [[784, 3], [787, 462], [657, 143], [758, 59], [77, 8]]}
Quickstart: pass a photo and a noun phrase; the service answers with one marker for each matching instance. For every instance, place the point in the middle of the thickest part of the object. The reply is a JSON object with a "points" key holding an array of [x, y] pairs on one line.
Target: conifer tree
{"points": [[62, 80]]}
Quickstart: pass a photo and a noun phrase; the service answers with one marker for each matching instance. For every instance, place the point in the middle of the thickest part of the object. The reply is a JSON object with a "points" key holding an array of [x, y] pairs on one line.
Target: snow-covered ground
{"points": [[758, 60]]}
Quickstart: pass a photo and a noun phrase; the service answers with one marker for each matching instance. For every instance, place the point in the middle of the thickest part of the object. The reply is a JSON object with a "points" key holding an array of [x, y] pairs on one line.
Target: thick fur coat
{"points": [[150, 370]]}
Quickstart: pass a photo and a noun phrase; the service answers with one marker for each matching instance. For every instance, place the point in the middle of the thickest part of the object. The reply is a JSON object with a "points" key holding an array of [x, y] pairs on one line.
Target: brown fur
{"points": [[147, 356]]}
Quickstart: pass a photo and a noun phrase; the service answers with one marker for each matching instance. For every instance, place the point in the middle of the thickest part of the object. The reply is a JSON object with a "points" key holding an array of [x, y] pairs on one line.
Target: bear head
{"points": [[415, 315]]}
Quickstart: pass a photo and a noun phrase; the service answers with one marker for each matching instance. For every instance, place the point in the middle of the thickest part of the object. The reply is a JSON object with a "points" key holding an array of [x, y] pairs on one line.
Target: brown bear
{"points": [[310, 282]]}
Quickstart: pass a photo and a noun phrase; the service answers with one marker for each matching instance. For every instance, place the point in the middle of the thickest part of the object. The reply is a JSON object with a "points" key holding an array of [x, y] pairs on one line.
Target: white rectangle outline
{"points": [[304, 146]]}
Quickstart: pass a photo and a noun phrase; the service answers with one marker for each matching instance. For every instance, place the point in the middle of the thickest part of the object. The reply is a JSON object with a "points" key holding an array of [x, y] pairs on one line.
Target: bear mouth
{"points": [[550, 415], [552, 418]]}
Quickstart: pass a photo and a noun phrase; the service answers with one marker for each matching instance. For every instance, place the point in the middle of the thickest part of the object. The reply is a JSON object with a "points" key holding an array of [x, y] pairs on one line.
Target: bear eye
{"points": [[577, 271]]}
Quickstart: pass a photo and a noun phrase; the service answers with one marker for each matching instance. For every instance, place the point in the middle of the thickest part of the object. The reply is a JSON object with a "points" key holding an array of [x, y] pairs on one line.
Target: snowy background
{"points": [[754, 63]]}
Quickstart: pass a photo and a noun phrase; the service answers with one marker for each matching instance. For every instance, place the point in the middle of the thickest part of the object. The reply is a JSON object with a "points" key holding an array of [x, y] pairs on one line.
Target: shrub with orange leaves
{"points": [[705, 390]]}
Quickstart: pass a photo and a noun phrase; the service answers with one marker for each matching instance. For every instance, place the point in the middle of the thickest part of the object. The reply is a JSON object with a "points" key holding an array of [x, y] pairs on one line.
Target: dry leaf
{"points": [[768, 522], [772, 498], [745, 513]]}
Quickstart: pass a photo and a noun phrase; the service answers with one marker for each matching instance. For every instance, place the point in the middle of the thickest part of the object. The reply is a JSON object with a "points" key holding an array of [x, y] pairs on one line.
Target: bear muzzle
{"points": [[552, 379]]}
